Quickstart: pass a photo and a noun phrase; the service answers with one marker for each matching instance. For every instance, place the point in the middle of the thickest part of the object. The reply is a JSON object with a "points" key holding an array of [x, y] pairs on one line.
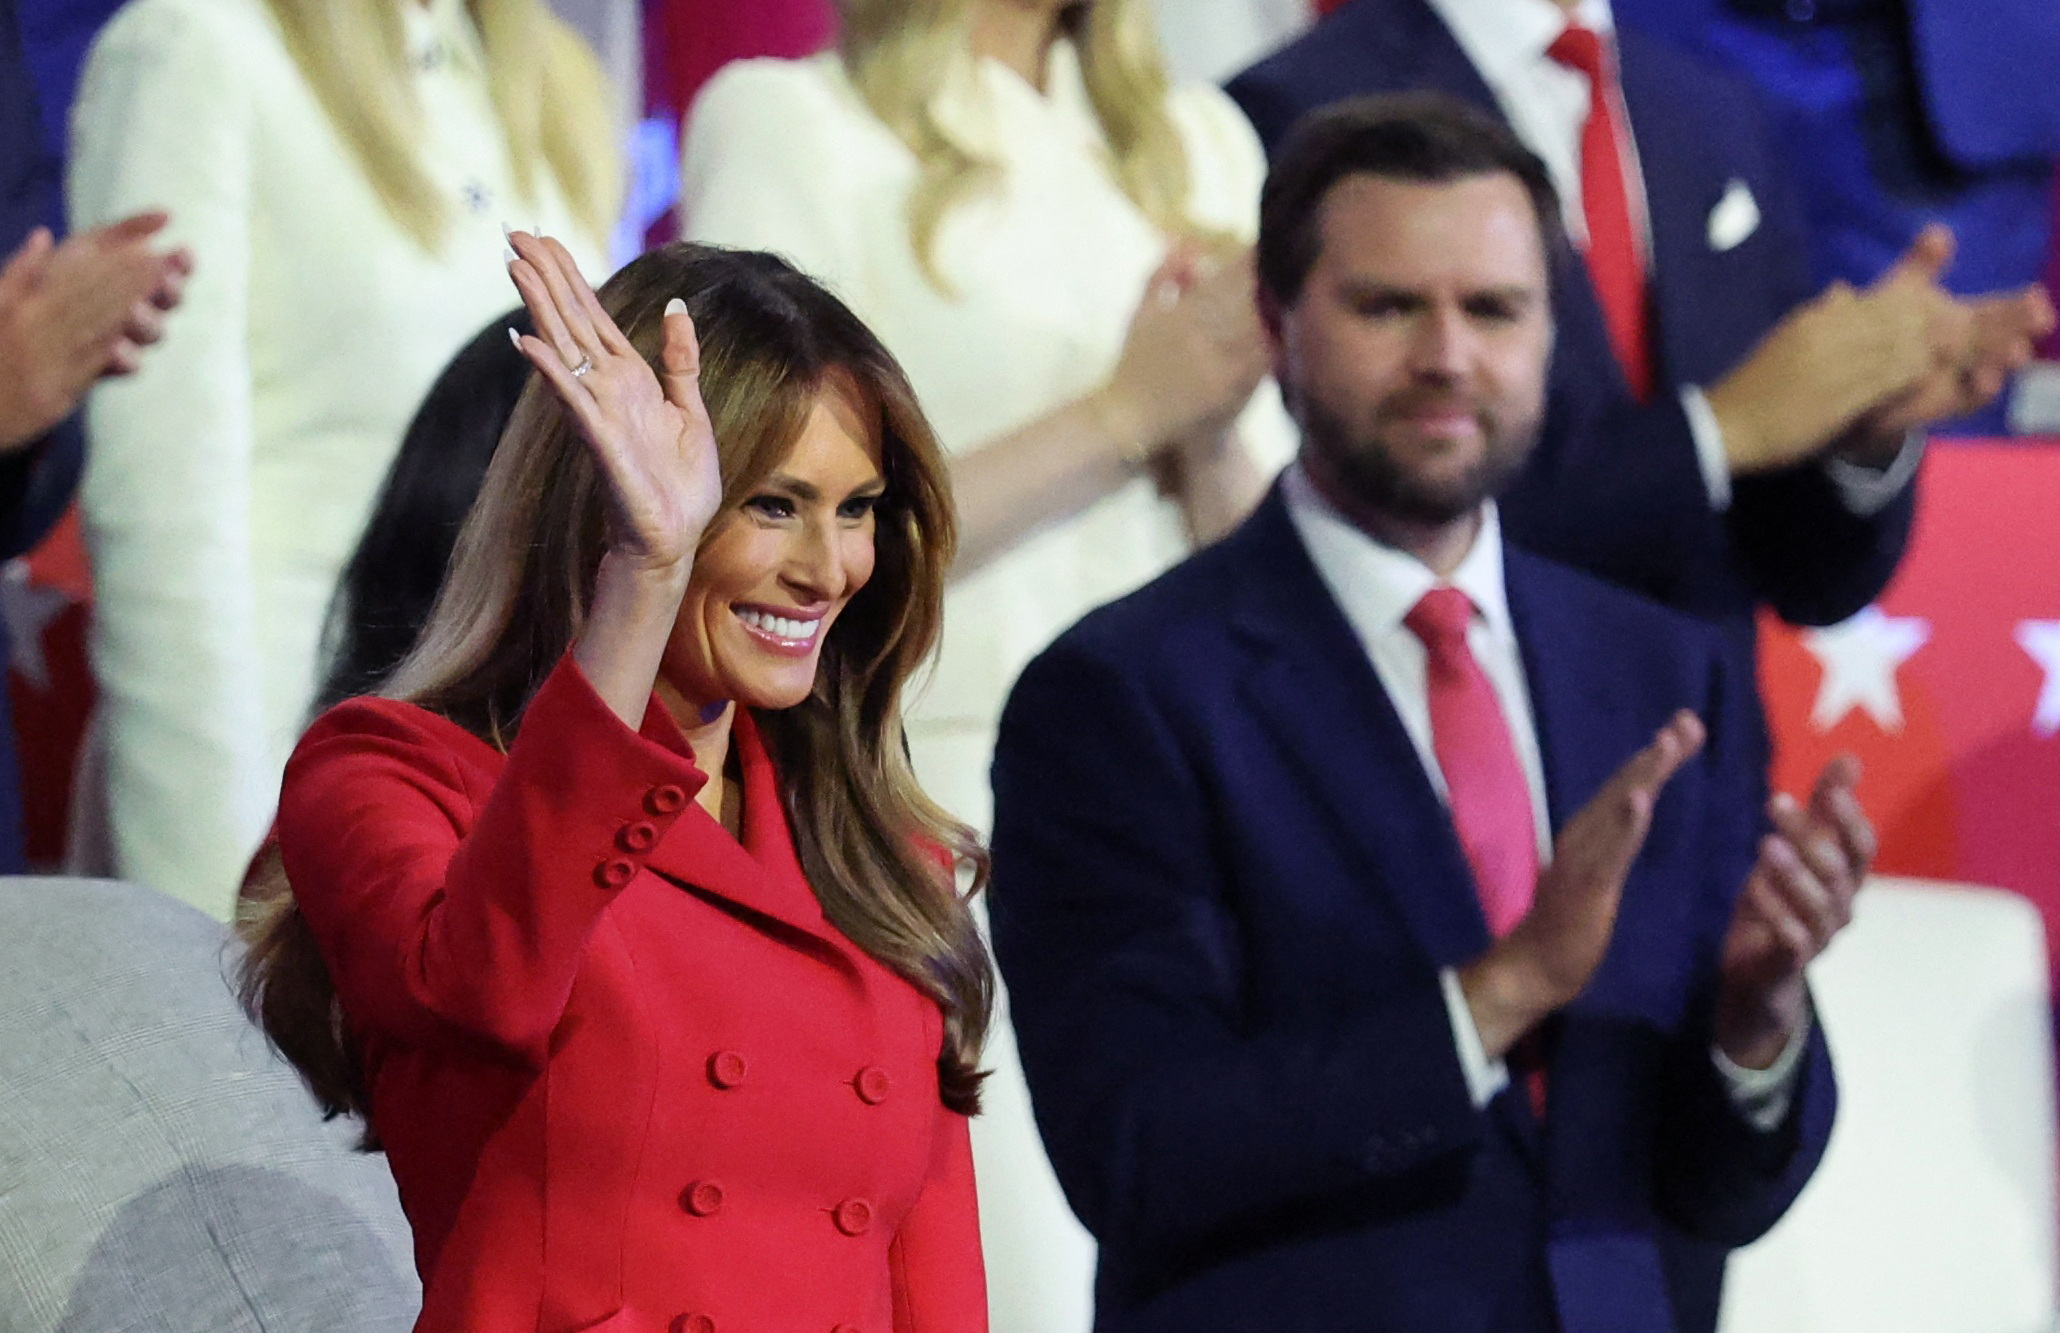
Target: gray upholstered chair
{"points": [[160, 1168]]}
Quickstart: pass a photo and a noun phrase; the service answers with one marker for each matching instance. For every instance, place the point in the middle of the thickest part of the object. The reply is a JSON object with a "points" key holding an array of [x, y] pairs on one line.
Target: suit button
{"points": [[666, 800], [693, 1323], [872, 1083], [616, 873], [726, 1069], [703, 1198], [641, 836], [854, 1217]]}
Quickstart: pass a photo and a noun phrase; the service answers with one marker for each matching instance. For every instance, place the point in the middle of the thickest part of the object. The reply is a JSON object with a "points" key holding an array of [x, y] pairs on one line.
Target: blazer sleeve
{"points": [[446, 914], [760, 168], [1803, 551], [1176, 1120], [1717, 1176], [939, 1278], [164, 121]]}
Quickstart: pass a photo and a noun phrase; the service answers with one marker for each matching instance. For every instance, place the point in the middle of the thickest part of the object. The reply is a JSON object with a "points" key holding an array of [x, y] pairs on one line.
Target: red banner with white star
{"points": [[1948, 689]]}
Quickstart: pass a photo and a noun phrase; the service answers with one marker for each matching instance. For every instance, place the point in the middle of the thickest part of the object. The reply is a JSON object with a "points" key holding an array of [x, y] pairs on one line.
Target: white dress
{"points": [[227, 482], [1045, 273]]}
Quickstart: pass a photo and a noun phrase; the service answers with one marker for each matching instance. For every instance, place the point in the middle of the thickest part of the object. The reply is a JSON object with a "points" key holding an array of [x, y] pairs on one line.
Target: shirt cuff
{"points": [[1762, 1096], [1866, 491], [1709, 446], [1484, 1077]]}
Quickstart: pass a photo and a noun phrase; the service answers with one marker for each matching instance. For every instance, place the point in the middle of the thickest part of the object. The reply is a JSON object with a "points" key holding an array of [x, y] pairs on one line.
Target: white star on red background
{"points": [[2041, 639], [26, 610], [1860, 657]]}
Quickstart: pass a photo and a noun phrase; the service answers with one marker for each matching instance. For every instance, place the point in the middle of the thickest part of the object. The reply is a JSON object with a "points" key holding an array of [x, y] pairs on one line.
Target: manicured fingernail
{"points": [[515, 338], [507, 232], [675, 307], [508, 255]]}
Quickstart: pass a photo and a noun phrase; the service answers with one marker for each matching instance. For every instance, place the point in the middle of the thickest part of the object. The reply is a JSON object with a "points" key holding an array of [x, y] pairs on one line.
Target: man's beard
{"points": [[1369, 469]]}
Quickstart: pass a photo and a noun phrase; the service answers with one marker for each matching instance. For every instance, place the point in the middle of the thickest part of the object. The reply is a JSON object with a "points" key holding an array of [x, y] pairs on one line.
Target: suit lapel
{"points": [[758, 877], [1571, 706], [1309, 679], [1677, 203]]}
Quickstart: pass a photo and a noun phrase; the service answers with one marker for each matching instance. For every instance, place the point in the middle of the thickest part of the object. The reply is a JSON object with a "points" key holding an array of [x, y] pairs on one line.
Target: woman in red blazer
{"points": [[649, 971]]}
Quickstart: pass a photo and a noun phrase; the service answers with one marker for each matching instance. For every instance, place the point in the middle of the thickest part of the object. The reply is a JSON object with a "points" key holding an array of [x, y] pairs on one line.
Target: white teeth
{"points": [[780, 626]]}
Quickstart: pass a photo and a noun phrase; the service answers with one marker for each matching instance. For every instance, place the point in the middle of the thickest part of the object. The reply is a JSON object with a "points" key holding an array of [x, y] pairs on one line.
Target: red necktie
{"points": [[1484, 782], [1614, 259]]}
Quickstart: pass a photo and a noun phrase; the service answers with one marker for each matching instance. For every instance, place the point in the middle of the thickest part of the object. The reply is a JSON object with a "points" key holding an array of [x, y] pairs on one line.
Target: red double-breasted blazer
{"points": [[627, 1075]]}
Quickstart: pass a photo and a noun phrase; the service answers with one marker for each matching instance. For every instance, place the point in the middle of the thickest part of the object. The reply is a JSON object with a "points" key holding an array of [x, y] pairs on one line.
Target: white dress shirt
{"points": [[1376, 586], [228, 480], [1546, 104]]}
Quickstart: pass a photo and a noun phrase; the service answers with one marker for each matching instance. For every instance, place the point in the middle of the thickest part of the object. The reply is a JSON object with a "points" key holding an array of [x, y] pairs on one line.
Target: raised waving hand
{"points": [[655, 447], [648, 430]]}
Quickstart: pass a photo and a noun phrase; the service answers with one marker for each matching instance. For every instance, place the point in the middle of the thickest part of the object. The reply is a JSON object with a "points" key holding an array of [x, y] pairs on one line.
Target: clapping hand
{"points": [[654, 445], [1549, 956], [649, 432], [1798, 896], [74, 311]]}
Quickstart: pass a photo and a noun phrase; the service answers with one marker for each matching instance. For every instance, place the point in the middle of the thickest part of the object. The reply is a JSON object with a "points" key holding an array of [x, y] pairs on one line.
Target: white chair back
{"points": [[1933, 1211]]}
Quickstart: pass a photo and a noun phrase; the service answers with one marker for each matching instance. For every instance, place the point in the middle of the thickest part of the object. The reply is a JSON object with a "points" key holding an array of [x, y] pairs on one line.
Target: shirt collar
{"points": [[1377, 584], [1503, 37]]}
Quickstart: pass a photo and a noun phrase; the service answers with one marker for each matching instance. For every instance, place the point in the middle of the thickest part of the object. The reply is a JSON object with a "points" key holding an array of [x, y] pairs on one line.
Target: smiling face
{"points": [[782, 565], [1415, 355]]}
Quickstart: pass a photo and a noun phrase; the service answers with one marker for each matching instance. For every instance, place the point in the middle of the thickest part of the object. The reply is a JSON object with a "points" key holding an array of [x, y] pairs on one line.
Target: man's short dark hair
{"points": [[1422, 138]]}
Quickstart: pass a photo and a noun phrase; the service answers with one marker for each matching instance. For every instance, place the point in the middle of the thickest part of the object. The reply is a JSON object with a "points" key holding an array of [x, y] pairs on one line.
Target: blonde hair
{"points": [[548, 92], [900, 54], [879, 854]]}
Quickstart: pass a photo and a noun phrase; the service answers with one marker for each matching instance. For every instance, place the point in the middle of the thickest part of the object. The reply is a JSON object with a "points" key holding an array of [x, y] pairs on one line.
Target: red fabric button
{"points": [[666, 800], [693, 1323], [872, 1084], [726, 1069], [703, 1198], [614, 874], [854, 1217], [641, 836]]}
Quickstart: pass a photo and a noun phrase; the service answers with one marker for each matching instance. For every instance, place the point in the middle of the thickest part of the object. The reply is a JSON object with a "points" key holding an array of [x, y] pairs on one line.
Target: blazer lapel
{"points": [[1570, 701], [759, 877], [1310, 680]]}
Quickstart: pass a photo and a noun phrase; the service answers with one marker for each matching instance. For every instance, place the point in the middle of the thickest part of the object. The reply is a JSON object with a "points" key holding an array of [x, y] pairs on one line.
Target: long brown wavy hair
{"points": [[518, 590]]}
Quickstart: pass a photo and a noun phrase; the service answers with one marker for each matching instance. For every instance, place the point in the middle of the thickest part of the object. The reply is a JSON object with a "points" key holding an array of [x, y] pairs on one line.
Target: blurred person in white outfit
{"points": [[341, 170], [1052, 241]]}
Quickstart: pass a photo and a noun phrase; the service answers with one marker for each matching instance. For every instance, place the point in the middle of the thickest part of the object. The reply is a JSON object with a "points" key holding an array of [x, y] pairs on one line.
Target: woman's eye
{"points": [[770, 506], [858, 507]]}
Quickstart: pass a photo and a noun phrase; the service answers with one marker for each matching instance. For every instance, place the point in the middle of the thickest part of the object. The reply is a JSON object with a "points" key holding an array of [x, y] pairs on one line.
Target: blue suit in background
{"points": [[1900, 113], [36, 483], [1614, 486], [1224, 886]]}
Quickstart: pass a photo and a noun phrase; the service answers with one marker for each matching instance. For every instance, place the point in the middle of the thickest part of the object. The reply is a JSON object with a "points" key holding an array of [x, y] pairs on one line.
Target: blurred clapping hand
{"points": [[76, 310]]}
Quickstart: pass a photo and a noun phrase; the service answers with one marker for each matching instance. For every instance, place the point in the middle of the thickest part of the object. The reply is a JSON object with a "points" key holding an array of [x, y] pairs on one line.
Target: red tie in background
{"points": [[1615, 262], [1491, 802]]}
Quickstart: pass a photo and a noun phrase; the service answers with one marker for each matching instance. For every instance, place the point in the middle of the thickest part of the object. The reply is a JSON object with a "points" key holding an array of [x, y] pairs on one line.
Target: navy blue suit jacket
{"points": [[35, 483], [1614, 487], [1901, 113], [1223, 890]]}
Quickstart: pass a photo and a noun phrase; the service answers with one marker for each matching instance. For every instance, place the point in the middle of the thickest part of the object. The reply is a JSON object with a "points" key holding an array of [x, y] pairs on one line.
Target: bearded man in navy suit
{"points": [[1719, 435], [1396, 933]]}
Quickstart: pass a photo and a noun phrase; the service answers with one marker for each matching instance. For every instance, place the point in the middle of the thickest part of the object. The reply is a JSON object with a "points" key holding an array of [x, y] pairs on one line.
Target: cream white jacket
{"points": [[227, 482], [1045, 273]]}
